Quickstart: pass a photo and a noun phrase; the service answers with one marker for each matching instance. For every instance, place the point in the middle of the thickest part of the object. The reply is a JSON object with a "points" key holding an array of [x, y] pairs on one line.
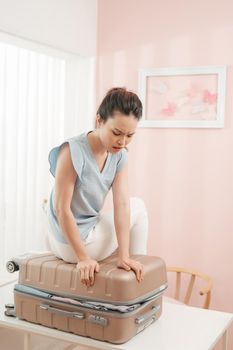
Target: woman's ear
{"points": [[99, 121]]}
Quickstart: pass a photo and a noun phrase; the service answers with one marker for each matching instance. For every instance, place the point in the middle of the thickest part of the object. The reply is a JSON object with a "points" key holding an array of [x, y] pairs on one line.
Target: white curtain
{"points": [[44, 98]]}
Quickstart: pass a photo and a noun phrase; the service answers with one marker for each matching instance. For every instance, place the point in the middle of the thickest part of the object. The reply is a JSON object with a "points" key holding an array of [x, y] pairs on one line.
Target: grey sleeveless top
{"points": [[91, 186]]}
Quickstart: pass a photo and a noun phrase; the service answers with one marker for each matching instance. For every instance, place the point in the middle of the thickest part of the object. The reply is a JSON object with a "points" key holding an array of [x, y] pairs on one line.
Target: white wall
{"points": [[70, 25]]}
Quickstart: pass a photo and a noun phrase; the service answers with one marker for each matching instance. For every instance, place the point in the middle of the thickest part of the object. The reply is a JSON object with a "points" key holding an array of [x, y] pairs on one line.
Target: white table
{"points": [[180, 327]]}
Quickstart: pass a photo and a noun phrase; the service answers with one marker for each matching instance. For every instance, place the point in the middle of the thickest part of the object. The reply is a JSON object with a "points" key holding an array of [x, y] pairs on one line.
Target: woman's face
{"points": [[117, 131]]}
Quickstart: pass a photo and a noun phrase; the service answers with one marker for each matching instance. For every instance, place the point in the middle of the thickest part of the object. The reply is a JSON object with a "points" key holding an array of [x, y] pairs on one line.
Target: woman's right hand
{"points": [[87, 268]]}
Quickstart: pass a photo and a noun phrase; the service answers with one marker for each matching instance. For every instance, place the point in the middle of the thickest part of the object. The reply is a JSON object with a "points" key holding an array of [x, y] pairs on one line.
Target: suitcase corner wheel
{"points": [[10, 310], [11, 266], [15, 263]]}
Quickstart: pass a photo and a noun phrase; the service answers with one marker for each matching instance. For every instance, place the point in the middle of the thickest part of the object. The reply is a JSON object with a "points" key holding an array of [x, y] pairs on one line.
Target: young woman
{"points": [[85, 168]]}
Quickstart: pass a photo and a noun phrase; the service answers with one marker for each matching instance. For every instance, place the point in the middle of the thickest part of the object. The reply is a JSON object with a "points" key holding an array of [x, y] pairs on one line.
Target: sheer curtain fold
{"points": [[33, 118]]}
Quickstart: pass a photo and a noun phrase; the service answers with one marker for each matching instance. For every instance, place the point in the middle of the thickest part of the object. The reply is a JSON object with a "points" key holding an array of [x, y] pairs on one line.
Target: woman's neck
{"points": [[96, 144]]}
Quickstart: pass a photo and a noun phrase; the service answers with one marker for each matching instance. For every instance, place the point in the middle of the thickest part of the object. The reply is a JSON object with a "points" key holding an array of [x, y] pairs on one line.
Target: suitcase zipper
{"points": [[44, 294], [141, 299], [82, 308]]}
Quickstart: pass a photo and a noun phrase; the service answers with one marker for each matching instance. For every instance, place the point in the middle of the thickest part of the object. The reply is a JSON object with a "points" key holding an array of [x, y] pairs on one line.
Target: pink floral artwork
{"points": [[181, 97], [170, 109], [209, 98]]}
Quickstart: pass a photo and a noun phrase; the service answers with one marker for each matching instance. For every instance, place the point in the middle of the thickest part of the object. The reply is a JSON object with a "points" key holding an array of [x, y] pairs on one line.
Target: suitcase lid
{"points": [[113, 285]]}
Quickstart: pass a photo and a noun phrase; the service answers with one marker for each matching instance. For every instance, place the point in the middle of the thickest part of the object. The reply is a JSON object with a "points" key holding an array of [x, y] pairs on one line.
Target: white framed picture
{"points": [[186, 97]]}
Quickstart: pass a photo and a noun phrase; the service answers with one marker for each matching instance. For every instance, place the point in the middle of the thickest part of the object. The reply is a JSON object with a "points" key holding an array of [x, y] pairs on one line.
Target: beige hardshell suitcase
{"points": [[114, 309]]}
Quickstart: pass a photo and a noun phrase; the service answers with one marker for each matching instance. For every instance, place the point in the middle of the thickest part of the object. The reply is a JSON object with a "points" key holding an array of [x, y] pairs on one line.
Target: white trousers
{"points": [[102, 241]]}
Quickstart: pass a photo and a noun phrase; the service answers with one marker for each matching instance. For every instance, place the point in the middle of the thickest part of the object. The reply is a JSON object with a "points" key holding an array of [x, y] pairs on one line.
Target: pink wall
{"points": [[185, 176]]}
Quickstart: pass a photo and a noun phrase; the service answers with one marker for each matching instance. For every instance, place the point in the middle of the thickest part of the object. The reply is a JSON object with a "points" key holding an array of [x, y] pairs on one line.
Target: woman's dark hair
{"points": [[120, 100]]}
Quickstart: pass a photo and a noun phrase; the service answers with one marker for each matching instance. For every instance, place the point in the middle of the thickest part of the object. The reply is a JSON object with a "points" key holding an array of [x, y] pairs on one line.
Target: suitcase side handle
{"points": [[148, 315], [56, 311]]}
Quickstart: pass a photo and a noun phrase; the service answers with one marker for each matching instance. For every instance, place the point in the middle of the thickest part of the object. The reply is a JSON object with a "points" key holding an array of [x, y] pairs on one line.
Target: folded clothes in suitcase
{"points": [[117, 307]]}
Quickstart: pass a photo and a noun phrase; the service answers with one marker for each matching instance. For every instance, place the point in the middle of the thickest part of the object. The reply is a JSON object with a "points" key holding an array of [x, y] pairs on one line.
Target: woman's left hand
{"points": [[130, 264]]}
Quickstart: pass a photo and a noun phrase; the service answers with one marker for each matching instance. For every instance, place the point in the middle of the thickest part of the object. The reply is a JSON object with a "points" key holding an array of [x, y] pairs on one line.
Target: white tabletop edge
{"points": [[22, 325]]}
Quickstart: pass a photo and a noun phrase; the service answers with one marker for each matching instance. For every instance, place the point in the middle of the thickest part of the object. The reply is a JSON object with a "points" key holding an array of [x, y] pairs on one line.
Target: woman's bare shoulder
{"points": [[64, 162]]}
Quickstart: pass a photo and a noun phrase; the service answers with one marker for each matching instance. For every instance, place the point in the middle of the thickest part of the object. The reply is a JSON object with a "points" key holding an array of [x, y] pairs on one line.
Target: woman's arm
{"points": [[65, 179], [121, 211], [64, 186], [121, 205]]}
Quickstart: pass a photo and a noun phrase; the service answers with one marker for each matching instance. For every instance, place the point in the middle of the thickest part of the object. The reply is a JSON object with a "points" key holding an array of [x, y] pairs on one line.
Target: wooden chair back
{"points": [[205, 291]]}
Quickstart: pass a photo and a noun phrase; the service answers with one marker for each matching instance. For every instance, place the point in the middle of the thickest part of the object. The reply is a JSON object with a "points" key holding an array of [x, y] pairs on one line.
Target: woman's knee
{"points": [[138, 204], [139, 216]]}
